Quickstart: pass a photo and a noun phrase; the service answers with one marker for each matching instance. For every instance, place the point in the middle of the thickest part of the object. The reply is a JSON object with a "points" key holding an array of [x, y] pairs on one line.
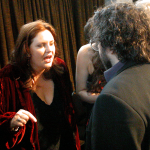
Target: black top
{"points": [[52, 124]]}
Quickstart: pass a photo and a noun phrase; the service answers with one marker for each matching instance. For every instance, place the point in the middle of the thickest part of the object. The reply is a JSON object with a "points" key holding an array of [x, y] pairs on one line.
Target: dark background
{"points": [[67, 16]]}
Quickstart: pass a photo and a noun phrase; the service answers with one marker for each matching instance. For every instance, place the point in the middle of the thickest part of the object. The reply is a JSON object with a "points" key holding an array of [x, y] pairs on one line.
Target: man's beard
{"points": [[105, 60]]}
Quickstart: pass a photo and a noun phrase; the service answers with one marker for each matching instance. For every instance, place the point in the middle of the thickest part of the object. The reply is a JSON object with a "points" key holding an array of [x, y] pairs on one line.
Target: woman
{"points": [[89, 74], [89, 69], [36, 92], [89, 79]]}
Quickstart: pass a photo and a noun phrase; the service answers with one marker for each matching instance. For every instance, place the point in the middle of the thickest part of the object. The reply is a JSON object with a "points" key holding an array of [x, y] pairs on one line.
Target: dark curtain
{"points": [[67, 16]]}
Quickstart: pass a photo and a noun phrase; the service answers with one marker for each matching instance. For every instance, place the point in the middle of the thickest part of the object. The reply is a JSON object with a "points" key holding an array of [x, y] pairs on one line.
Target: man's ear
{"points": [[113, 57], [109, 51]]}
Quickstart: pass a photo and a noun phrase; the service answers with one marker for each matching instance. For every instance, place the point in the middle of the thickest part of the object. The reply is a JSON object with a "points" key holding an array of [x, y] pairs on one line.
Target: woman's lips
{"points": [[48, 59]]}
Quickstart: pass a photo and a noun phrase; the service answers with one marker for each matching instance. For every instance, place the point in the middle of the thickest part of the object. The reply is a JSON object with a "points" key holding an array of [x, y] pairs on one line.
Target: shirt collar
{"points": [[108, 74]]}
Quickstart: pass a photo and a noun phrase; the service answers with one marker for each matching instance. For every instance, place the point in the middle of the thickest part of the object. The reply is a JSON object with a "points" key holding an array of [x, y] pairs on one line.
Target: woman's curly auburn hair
{"points": [[124, 28]]}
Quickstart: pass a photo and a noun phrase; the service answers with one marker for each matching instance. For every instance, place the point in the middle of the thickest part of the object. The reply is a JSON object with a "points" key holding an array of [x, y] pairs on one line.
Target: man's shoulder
{"points": [[127, 84]]}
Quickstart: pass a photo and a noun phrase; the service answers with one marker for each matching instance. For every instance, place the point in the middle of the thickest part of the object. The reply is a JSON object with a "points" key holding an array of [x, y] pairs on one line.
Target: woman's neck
{"points": [[37, 80], [38, 74]]}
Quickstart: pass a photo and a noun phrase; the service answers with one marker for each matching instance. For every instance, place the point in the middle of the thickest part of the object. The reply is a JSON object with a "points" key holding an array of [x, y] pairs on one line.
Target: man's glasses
{"points": [[94, 46]]}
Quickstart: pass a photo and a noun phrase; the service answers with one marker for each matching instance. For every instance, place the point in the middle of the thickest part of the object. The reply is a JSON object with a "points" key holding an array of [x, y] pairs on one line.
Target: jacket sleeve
{"points": [[8, 138], [114, 125]]}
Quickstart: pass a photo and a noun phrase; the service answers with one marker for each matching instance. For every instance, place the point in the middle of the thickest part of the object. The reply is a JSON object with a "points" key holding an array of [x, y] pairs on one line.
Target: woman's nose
{"points": [[48, 48]]}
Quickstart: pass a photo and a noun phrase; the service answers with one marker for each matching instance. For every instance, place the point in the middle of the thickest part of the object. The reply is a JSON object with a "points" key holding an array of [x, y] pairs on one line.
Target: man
{"points": [[120, 118]]}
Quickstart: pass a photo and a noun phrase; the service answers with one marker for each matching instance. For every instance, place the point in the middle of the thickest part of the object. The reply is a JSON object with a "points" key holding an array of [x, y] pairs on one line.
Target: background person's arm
{"points": [[82, 71]]}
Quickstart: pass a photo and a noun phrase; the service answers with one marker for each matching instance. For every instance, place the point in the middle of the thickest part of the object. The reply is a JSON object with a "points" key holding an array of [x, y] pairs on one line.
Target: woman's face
{"points": [[42, 51]]}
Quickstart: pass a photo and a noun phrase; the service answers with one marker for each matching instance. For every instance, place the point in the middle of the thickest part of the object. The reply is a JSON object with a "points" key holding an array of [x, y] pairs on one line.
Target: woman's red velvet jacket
{"points": [[13, 96]]}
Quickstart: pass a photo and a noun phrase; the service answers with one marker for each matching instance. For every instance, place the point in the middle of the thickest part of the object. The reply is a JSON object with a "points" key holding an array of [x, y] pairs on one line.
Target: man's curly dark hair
{"points": [[124, 28]]}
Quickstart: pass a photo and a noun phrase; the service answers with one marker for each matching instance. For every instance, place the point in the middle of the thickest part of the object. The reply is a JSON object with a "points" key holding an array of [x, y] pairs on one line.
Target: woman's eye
{"points": [[40, 45], [52, 43]]}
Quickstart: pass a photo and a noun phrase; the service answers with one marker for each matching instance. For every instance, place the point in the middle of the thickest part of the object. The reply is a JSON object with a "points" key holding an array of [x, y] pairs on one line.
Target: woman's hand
{"points": [[21, 118]]}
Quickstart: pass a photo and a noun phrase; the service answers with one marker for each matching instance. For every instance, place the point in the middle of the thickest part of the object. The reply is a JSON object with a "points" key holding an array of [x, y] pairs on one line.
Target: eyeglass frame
{"points": [[93, 47]]}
